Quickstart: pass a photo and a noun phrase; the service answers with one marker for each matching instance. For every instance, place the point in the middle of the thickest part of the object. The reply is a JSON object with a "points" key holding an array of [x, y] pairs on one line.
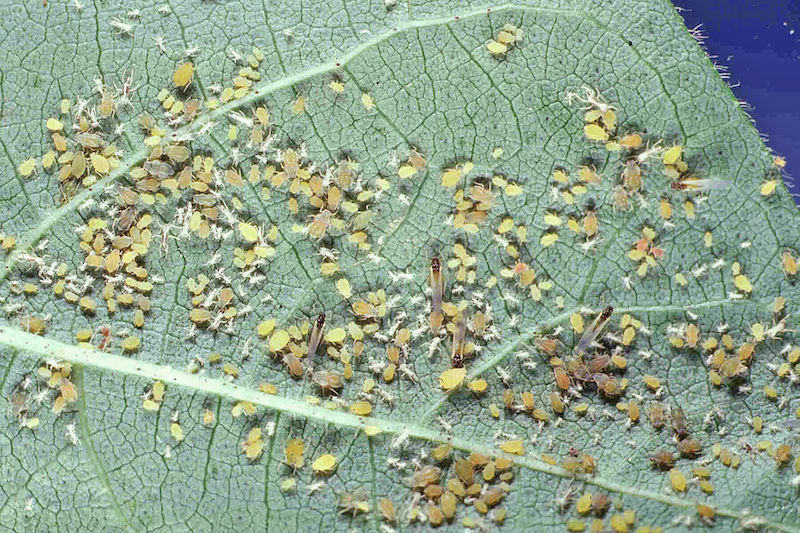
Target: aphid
{"points": [[459, 338], [678, 422], [590, 223], [324, 464], [663, 460], [327, 380], [789, 263], [782, 454], [593, 330], [692, 184], [678, 480], [183, 75], [689, 447], [451, 379], [436, 281], [633, 411], [361, 408], [426, 476], [316, 336], [632, 175], [355, 501], [253, 445], [657, 415], [294, 365]]}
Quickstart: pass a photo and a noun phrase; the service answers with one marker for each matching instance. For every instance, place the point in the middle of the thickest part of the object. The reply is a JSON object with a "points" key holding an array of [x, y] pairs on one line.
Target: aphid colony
{"points": [[116, 250], [477, 480]]}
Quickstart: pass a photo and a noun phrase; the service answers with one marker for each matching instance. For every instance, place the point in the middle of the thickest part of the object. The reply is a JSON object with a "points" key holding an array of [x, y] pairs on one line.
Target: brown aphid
{"points": [[663, 460], [657, 415], [386, 507], [600, 503], [327, 381], [587, 463], [435, 515], [465, 471], [689, 447], [448, 502], [426, 476], [493, 497], [599, 363], [782, 454], [433, 491], [590, 223], [706, 513], [562, 378], [547, 345], [678, 422], [294, 365]]}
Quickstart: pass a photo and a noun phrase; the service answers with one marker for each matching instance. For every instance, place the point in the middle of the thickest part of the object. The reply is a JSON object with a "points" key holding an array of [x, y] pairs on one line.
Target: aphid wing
{"points": [[592, 332], [436, 280], [459, 335], [316, 336]]}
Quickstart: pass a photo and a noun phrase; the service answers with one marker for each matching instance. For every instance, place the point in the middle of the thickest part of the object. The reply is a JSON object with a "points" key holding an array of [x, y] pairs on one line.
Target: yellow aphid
{"points": [[768, 187], [576, 321], [336, 86], [743, 283], [677, 479], [249, 232], [574, 525], [131, 344], [477, 385], [450, 177], [584, 503], [514, 447], [336, 335], [27, 167], [595, 133], [295, 448], [406, 171], [299, 105], [53, 124], [278, 340], [177, 431], [496, 47], [631, 141], [652, 381], [789, 263], [548, 239], [343, 286], [512, 189], [552, 219], [361, 408], [183, 75], [672, 155], [452, 378], [367, 101], [324, 464]]}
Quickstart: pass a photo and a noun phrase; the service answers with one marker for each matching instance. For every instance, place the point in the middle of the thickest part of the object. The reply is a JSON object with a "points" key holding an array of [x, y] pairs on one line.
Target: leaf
{"points": [[284, 163]]}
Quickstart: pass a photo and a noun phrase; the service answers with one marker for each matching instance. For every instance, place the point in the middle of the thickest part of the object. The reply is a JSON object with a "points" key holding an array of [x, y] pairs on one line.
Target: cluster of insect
{"points": [[333, 205]]}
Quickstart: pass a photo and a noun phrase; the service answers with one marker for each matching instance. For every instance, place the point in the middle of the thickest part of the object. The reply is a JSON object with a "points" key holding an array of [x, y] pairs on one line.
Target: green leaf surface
{"points": [[107, 463]]}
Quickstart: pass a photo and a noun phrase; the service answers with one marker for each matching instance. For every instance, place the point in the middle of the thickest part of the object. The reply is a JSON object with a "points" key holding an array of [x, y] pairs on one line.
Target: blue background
{"points": [[754, 41]]}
